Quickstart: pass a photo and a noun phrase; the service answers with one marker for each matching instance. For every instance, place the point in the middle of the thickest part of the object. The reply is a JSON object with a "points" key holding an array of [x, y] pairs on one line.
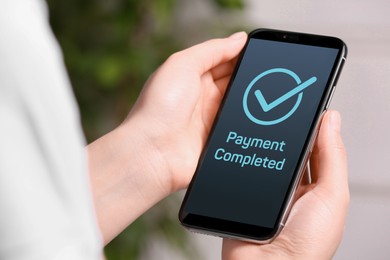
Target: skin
{"points": [[154, 153]]}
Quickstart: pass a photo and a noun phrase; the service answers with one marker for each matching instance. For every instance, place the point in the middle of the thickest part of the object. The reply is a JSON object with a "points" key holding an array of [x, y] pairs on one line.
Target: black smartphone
{"points": [[263, 135]]}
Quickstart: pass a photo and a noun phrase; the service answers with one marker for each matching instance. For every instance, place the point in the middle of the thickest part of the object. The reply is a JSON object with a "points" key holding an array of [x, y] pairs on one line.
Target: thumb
{"points": [[207, 55], [332, 157]]}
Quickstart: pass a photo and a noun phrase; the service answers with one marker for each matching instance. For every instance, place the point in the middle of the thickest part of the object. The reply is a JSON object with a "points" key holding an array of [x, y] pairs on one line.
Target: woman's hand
{"points": [[176, 108]]}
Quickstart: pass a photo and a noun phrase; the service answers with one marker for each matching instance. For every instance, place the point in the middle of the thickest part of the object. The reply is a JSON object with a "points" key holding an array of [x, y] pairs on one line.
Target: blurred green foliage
{"points": [[233, 4], [110, 48]]}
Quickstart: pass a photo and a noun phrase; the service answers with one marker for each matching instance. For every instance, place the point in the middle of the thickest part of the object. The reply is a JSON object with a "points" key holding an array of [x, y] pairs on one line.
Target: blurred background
{"points": [[112, 46]]}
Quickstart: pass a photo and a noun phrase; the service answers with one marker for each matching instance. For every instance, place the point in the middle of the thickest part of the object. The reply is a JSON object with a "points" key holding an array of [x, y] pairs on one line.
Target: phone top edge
{"points": [[299, 38], [258, 30]]}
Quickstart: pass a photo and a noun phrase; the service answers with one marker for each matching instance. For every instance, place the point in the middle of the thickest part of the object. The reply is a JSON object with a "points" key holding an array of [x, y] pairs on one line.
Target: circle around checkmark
{"points": [[257, 78]]}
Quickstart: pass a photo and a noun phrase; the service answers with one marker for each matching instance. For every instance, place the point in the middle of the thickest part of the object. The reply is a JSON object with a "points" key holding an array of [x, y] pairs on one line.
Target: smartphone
{"points": [[263, 135]]}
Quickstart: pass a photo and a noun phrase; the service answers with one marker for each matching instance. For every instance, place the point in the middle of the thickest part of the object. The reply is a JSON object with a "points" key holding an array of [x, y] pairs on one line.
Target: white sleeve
{"points": [[46, 209]]}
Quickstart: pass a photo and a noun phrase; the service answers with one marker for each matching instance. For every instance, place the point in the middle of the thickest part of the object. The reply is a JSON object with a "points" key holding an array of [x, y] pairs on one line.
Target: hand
{"points": [[156, 149], [315, 226], [178, 104]]}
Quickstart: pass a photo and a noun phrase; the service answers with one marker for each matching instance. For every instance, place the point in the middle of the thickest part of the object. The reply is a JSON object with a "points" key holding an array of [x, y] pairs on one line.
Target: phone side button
{"points": [[330, 97], [339, 71]]}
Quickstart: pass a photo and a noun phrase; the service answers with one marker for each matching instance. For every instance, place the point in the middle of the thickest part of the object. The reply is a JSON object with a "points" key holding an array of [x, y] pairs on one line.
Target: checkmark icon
{"points": [[296, 92], [267, 107]]}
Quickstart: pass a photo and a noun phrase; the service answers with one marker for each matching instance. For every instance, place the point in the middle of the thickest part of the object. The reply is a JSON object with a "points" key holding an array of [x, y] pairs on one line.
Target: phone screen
{"points": [[246, 171]]}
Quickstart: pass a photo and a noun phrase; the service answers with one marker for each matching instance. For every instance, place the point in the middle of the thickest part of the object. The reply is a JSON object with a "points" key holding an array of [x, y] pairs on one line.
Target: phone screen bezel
{"points": [[253, 232]]}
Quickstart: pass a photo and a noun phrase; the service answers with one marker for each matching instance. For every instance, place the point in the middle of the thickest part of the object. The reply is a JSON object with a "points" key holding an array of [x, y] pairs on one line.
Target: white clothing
{"points": [[46, 209]]}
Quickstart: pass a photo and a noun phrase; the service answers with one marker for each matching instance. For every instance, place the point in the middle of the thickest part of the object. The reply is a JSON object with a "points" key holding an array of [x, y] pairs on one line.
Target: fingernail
{"points": [[237, 35], [335, 120]]}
